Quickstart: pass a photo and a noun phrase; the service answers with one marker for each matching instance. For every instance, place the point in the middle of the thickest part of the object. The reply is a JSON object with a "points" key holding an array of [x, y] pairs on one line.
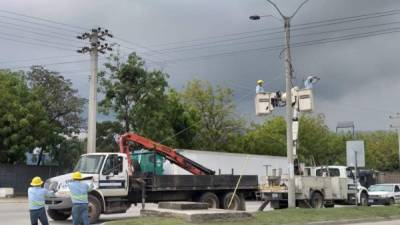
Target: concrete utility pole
{"points": [[289, 107], [397, 127], [95, 48]]}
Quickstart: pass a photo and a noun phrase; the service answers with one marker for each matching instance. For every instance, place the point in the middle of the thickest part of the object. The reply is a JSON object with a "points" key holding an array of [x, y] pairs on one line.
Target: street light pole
{"points": [[289, 107]]}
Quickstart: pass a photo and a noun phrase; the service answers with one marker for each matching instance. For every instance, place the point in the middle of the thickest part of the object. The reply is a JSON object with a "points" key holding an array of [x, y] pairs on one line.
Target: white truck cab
{"points": [[109, 174]]}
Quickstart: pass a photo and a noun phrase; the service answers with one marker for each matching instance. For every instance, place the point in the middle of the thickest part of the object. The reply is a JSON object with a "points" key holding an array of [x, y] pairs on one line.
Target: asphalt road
{"points": [[16, 212]]}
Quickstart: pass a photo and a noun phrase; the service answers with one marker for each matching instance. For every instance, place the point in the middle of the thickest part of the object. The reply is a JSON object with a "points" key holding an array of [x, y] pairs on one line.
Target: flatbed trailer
{"points": [[119, 185]]}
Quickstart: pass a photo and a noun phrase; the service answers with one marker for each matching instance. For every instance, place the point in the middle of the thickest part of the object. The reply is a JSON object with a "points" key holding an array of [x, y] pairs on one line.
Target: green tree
{"points": [[381, 149], [217, 127], [67, 153], [24, 124], [268, 138], [60, 100], [106, 133], [136, 96]]}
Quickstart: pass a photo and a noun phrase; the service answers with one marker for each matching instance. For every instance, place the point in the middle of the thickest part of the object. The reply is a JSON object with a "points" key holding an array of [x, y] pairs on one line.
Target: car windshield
{"points": [[89, 164], [388, 188]]}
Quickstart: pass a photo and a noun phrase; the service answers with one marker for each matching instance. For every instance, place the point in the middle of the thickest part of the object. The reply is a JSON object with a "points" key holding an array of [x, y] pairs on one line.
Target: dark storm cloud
{"points": [[353, 73]]}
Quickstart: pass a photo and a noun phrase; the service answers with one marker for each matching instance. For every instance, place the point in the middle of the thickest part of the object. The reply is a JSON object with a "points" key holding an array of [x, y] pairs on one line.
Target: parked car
{"points": [[384, 194]]}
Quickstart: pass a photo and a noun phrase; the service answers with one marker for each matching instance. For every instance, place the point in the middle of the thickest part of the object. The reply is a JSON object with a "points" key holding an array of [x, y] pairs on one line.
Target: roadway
{"points": [[15, 211]]}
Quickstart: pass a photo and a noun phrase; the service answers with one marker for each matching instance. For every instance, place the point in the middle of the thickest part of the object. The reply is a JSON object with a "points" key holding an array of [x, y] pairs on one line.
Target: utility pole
{"points": [[289, 107], [94, 49], [397, 127]]}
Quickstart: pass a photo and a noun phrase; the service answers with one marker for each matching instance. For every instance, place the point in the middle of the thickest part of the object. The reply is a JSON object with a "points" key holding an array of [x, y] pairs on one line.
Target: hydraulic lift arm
{"points": [[169, 153]]}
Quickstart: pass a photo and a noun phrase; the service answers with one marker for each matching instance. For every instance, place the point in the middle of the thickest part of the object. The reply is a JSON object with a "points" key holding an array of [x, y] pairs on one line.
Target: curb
{"points": [[355, 221], [13, 200]]}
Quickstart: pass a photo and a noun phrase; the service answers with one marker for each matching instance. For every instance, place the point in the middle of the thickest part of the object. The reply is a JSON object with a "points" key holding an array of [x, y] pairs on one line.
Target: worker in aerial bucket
{"points": [[36, 197], [79, 195], [260, 87]]}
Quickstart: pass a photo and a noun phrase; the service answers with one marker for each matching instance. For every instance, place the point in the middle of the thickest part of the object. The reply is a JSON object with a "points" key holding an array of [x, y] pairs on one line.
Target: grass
{"points": [[286, 216]]}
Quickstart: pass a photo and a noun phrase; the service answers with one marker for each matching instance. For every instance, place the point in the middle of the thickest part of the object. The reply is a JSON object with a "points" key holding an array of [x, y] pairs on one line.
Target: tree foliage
{"points": [[60, 100], [136, 96], [216, 125], [23, 120]]}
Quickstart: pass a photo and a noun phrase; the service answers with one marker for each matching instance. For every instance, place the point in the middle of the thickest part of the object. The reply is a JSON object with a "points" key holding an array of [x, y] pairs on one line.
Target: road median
{"points": [[333, 216]]}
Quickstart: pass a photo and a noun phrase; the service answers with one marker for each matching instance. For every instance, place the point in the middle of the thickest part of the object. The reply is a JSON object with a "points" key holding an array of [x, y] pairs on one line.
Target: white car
{"points": [[384, 194]]}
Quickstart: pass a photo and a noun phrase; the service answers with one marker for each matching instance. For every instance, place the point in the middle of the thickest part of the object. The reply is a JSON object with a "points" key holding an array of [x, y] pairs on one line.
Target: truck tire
{"points": [[363, 199], [330, 205], [317, 200], [391, 202], [276, 204], [58, 215], [210, 198], [94, 209], [236, 204]]}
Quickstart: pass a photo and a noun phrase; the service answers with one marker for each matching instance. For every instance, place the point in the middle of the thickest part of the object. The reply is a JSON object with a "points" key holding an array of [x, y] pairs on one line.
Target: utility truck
{"points": [[119, 182], [317, 187]]}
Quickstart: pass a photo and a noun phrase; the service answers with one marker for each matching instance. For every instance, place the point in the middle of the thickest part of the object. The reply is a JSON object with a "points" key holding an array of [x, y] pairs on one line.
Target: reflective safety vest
{"points": [[79, 191], [36, 196]]}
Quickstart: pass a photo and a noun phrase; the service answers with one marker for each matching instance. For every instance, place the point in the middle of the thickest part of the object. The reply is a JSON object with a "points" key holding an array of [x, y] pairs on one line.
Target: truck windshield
{"points": [[388, 188], [89, 164]]}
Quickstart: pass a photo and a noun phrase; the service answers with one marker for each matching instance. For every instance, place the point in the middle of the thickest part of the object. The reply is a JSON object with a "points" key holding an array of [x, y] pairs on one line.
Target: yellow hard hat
{"points": [[77, 175], [36, 181], [260, 81]]}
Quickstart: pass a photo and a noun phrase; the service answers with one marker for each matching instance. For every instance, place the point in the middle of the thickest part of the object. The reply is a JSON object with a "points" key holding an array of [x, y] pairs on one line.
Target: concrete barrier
{"points": [[6, 192]]}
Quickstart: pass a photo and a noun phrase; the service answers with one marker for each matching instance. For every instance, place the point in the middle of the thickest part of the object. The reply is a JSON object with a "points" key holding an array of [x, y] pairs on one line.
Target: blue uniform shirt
{"points": [[79, 191], [259, 89], [36, 196]]}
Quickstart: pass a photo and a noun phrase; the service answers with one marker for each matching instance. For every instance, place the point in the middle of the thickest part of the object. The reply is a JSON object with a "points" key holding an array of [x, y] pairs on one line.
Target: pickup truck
{"points": [[384, 194], [119, 182], [317, 187]]}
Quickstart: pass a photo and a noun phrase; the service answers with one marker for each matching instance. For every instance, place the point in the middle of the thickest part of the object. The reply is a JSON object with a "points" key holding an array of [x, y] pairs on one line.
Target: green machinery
{"points": [[147, 163]]}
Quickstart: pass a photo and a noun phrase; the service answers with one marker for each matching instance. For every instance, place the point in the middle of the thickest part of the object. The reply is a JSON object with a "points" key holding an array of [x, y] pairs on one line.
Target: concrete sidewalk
{"points": [[20, 199]]}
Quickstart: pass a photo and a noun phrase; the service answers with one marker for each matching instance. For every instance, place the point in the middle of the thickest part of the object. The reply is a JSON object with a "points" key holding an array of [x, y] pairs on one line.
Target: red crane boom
{"points": [[169, 153]]}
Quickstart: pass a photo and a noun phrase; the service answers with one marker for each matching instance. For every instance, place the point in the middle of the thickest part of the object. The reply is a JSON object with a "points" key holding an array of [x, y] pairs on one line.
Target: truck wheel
{"points": [[236, 204], [391, 201], [58, 215], [94, 209], [211, 199], [363, 199], [317, 200], [329, 205]]}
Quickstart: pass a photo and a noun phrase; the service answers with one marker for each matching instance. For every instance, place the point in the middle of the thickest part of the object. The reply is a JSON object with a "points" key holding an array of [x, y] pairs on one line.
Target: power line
{"points": [[42, 19], [38, 24], [37, 39], [279, 38], [36, 59], [299, 44], [295, 27], [35, 44], [35, 31]]}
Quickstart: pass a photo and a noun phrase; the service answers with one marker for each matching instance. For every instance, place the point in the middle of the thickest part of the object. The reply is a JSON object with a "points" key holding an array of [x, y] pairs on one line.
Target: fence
{"points": [[388, 177], [20, 176]]}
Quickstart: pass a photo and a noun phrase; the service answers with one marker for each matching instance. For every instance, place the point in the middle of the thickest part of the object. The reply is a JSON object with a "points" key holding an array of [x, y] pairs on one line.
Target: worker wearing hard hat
{"points": [[259, 87], [79, 196], [36, 196]]}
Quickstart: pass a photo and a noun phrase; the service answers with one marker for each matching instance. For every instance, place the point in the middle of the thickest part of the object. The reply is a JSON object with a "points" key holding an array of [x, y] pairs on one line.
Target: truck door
{"points": [[396, 194], [113, 177]]}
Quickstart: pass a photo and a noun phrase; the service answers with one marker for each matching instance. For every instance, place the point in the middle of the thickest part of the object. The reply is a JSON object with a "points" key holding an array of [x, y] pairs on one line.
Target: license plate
{"points": [[370, 200], [274, 195]]}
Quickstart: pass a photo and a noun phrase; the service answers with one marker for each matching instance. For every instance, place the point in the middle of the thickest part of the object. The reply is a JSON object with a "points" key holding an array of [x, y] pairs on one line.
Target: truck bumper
{"points": [[58, 202], [379, 201]]}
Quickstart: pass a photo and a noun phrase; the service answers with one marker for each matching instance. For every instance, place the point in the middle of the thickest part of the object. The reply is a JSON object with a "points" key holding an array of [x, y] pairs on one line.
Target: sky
{"points": [[352, 45]]}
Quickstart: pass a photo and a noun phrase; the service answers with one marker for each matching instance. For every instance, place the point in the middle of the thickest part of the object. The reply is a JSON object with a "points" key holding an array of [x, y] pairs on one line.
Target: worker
{"points": [[79, 196], [36, 197], [310, 81], [259, 87]]}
